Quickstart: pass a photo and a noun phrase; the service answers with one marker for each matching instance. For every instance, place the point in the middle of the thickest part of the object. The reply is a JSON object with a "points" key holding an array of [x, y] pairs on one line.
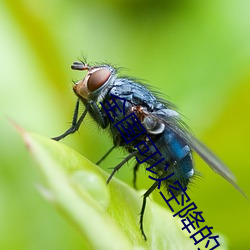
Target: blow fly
{"points": [[102, 91]]}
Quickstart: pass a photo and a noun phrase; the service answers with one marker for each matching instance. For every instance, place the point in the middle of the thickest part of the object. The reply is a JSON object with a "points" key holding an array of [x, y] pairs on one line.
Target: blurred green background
{"points": [[195, 52]]}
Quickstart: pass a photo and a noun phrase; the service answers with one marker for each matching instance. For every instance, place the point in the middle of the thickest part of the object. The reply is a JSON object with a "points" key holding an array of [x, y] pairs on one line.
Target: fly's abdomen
{"points": [[180, 157], [177, 156]]}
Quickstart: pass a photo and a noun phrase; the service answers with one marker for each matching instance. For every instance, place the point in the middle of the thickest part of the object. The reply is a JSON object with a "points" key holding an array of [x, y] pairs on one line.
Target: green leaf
{"points": [[106, 215]]}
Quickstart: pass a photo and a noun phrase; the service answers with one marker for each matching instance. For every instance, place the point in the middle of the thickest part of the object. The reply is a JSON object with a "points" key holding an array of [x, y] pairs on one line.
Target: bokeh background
{"points": [[195, 52]]}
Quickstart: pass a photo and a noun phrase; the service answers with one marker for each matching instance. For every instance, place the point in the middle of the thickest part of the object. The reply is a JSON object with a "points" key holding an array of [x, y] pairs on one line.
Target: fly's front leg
{"points": [[75, 124], [99, 116]]}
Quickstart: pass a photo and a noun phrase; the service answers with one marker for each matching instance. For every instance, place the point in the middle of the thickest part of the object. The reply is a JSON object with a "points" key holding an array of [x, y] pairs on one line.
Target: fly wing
{"points": [[176, 125]]}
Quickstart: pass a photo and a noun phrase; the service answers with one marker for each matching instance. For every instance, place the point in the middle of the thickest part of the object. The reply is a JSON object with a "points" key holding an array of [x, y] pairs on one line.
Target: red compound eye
{"points": [[97, 79]]}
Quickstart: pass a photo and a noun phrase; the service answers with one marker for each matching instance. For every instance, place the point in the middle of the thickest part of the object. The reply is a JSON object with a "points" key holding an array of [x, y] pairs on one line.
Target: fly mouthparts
{"points": [[79, 66]]}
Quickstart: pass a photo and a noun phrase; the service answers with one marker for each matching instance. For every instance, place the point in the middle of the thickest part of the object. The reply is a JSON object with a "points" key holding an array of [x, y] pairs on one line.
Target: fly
{"points": [[163, 125]]}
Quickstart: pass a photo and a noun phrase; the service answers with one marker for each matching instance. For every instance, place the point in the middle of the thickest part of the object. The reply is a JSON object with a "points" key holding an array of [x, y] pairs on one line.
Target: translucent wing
{"points": [[172, 120]]}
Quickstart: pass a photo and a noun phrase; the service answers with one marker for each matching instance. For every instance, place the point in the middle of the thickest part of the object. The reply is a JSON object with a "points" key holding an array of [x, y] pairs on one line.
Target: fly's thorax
{"points": [[152, 125], [154, 121], [95, 84]]}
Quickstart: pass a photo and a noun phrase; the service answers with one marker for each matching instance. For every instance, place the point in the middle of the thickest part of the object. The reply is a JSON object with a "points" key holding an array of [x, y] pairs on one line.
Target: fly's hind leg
{"points": [[144, 201]]}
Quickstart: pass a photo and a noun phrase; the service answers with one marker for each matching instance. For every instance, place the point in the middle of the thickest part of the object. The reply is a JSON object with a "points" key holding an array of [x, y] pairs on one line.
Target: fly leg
{"points": [[134, 173], [75, 124], [121, 164], [99, 116], [158, 182], [105, 155], [145, 196]]}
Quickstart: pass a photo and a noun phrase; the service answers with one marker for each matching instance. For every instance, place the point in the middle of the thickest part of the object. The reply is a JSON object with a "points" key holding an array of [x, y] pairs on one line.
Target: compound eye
{"points": [[97, 79]]}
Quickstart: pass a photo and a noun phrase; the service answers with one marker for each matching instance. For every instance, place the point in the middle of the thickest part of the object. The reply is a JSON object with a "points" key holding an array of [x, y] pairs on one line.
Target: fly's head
{"points": [[96, 81]]}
